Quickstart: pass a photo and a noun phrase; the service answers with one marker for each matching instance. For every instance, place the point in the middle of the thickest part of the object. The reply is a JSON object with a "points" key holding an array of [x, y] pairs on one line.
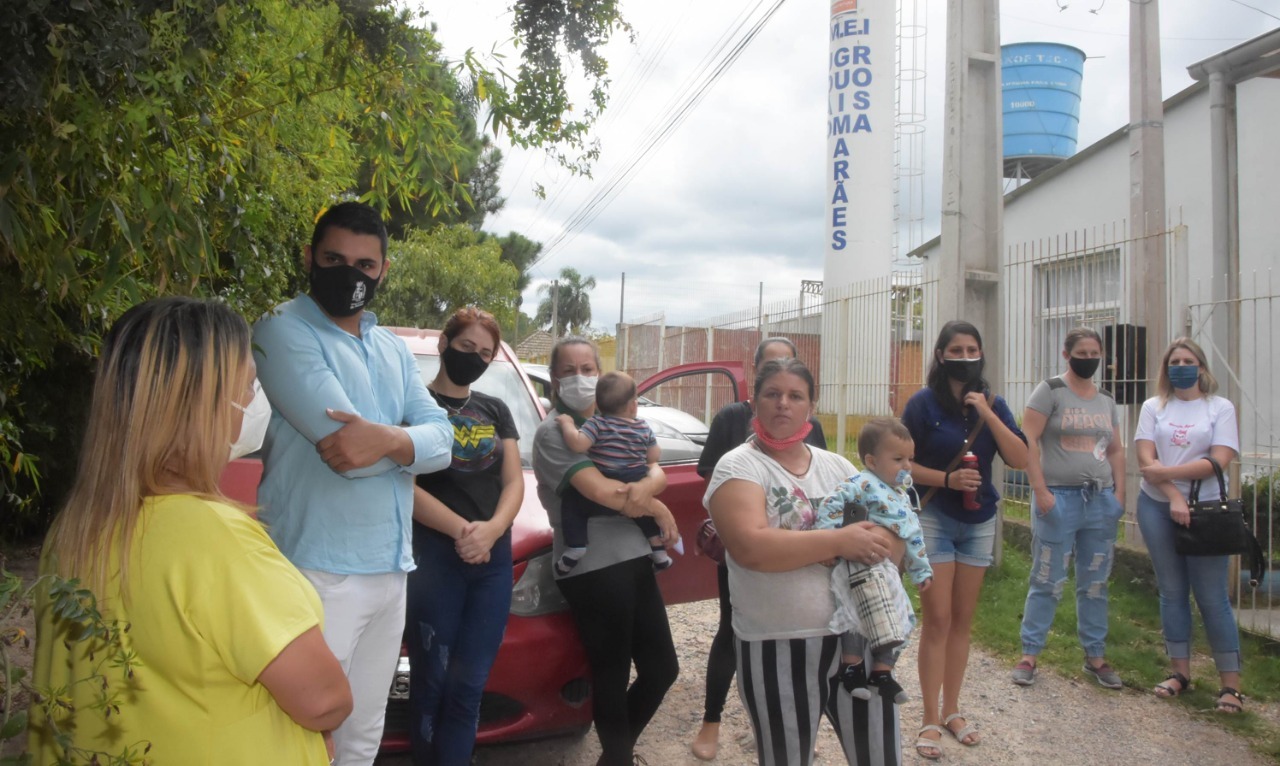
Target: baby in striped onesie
{"points": [[622, 447]]}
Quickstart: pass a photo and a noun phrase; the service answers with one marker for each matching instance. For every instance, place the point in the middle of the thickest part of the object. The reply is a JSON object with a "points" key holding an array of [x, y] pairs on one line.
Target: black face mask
{"points": [[1084, 368], [341, 291], [462, 367], [965, 371]]}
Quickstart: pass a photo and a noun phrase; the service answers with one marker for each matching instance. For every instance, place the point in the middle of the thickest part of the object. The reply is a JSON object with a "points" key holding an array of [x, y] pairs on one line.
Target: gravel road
{"points": [[1060, 721]]}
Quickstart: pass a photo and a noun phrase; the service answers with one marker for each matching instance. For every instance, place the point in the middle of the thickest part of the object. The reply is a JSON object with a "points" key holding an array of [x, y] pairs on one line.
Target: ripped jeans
{"points": [[1083, 521], [457, 614]]}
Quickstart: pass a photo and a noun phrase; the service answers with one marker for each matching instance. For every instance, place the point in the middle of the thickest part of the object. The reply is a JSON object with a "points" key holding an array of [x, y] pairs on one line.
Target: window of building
{"points": [[1080, 289]]}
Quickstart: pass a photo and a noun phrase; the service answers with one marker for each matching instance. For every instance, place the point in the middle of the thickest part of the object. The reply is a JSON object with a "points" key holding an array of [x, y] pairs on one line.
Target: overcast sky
{"points": [[737, 193]]}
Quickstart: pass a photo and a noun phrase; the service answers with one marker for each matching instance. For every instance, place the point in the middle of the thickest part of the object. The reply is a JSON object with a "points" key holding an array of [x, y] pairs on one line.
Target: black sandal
{"points": [[1166, 691], [1227, 706]]}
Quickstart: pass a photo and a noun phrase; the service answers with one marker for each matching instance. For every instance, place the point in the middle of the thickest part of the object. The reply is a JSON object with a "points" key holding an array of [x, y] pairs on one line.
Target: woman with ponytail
{"points": [[953, 415]]}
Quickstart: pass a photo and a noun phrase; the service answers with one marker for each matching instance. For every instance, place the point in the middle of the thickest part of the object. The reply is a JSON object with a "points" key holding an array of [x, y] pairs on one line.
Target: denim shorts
{"points": [[946, 539]]}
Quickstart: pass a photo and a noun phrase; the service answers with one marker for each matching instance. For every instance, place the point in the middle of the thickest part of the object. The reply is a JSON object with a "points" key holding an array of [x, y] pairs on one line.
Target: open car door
{"points": [[699, 389]]}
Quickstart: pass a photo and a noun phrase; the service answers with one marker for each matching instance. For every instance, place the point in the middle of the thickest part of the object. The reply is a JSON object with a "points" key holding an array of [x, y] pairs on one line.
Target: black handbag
{"points": [[1219, 528]]}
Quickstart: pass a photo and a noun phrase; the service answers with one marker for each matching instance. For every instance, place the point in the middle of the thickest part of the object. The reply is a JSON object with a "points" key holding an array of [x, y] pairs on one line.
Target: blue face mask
{"points": [[903, 479], [1184, 376]]}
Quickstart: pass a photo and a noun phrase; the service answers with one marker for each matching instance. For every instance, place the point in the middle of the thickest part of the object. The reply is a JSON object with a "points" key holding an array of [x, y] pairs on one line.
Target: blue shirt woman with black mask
{"points": [[960, 541]]}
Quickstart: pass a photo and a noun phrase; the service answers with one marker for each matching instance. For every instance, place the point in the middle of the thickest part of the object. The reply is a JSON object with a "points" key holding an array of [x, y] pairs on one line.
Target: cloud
{"points": [[737, 194]]}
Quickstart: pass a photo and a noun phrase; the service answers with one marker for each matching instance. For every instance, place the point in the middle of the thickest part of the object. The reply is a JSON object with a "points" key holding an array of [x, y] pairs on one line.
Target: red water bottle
{"points": [[970, 495]]}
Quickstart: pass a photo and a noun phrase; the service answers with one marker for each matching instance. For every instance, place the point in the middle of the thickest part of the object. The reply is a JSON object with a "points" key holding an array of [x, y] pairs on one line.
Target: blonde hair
{"points": [[159, 422], [1208, 384]]}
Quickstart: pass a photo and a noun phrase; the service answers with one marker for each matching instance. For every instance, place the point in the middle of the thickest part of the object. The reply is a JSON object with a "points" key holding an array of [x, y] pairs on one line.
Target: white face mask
{"points": [[578, 392], [253, 428]]}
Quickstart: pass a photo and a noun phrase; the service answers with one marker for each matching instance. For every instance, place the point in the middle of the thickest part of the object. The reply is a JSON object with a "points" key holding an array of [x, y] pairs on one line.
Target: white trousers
{"points": [[363, 626]]}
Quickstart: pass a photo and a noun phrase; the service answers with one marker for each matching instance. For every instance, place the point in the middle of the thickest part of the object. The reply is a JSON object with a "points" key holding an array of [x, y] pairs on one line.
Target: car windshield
{"points": [[500, 381]]}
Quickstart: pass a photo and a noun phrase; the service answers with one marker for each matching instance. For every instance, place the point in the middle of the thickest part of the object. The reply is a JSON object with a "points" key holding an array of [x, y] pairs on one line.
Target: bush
{"points": [[1261, 505]]}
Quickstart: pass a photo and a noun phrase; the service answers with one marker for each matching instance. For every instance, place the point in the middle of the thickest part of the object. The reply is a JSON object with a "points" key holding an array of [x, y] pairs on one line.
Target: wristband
{"points": [[946, 480]]}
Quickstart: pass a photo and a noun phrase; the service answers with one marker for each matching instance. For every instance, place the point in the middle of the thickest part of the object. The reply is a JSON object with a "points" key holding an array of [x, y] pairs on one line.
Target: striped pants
{"points": [[786, 685]]}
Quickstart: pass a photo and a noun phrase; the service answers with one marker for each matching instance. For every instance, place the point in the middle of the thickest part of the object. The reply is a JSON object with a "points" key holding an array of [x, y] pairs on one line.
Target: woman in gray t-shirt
{"points": [[1076, 468]]}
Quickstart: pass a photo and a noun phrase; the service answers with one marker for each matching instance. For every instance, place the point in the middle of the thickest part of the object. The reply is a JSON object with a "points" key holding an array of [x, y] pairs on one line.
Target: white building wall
{"points": [[1091, 193], [1094, 192], [1258, 114]]}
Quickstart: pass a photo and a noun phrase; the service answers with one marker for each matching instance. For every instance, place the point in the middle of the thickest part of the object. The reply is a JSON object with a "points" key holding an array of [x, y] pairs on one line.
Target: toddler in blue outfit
{"points": [[878, 494]]}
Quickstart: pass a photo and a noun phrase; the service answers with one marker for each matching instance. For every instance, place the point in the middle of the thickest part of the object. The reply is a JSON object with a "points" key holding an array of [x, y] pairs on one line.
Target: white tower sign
{"points": [[860, 138]]}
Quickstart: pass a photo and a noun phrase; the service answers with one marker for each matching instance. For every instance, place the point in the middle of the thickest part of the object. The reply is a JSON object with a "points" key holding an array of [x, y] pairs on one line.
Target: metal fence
{"points": [[878, 332], [650, 345], [1078, 279], [1248, 379], [1082, 279], [870, 343], [853, 382]]}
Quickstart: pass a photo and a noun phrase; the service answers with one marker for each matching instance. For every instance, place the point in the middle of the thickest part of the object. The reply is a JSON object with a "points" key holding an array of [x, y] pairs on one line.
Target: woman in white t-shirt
{"points": [[1178, 431], [764, 497]]}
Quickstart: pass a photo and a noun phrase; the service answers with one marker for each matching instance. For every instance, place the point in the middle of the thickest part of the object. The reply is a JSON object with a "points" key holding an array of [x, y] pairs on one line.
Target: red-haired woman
{"points": [[460, 593]]}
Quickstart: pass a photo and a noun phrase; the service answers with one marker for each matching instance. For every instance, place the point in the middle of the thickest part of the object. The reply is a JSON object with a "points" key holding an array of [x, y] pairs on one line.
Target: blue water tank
{"points": [[1041, 89]]}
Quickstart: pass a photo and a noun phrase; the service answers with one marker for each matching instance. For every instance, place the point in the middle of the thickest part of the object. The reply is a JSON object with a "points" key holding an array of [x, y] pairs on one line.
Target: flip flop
{"points": [[966, 731], [924, 743]]}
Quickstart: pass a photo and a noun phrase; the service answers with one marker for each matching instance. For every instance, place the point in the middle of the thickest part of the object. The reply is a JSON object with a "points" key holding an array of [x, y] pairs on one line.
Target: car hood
{"points": [[677, 419]]}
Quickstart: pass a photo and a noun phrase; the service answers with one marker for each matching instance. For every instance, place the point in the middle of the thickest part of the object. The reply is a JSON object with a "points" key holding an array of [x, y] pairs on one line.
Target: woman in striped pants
{"points": [[764, 497]]}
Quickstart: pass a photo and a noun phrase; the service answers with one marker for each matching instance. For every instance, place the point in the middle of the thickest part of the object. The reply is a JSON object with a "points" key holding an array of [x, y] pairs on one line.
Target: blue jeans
{"points": [[457, 614], [1177, 578], [1083, 521]]}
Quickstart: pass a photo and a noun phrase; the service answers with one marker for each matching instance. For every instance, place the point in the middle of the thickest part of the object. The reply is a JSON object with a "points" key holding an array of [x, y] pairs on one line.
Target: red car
{"points": [[540, 685]]}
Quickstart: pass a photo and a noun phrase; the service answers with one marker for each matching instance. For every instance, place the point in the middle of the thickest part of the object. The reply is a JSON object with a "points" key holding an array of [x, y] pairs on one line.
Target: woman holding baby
{"points": [[764, 497]]}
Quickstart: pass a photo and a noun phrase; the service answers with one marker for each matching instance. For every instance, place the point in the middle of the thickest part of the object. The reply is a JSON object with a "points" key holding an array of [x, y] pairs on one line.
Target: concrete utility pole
{"points": [[617, 337], [972, 170], [760, 312], [972, 186], [555, 311], [1148, 276]]}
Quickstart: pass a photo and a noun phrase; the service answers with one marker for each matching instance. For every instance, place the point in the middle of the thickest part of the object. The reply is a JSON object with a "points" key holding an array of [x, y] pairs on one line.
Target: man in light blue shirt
{"points": [[352, 423]]}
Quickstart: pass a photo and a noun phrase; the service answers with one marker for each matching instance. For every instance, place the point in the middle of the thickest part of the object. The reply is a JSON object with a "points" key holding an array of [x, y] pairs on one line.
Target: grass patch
{"points": [[850, 451], [1017, 509], [1134, 644]]}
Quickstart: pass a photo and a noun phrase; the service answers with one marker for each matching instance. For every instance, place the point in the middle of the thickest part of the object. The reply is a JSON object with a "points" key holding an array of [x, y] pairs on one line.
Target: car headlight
{"points": [[535, 593]]}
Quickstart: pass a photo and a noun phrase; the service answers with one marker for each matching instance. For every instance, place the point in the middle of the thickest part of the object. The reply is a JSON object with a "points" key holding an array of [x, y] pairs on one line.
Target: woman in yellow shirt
{"points": [[231, 666]]}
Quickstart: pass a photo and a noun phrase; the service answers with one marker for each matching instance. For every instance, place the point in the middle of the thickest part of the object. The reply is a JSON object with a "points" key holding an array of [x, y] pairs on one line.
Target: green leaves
{"points": [[77, 619], [571, 293], [16, 725], [435, 273], [186, 146]]}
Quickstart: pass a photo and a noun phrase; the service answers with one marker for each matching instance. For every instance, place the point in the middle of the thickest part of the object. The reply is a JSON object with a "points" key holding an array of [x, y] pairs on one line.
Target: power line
{"points": [[546, 208], [1255, 8], [716, 48], [678, 113], [1118, 34], [620, 103]]}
